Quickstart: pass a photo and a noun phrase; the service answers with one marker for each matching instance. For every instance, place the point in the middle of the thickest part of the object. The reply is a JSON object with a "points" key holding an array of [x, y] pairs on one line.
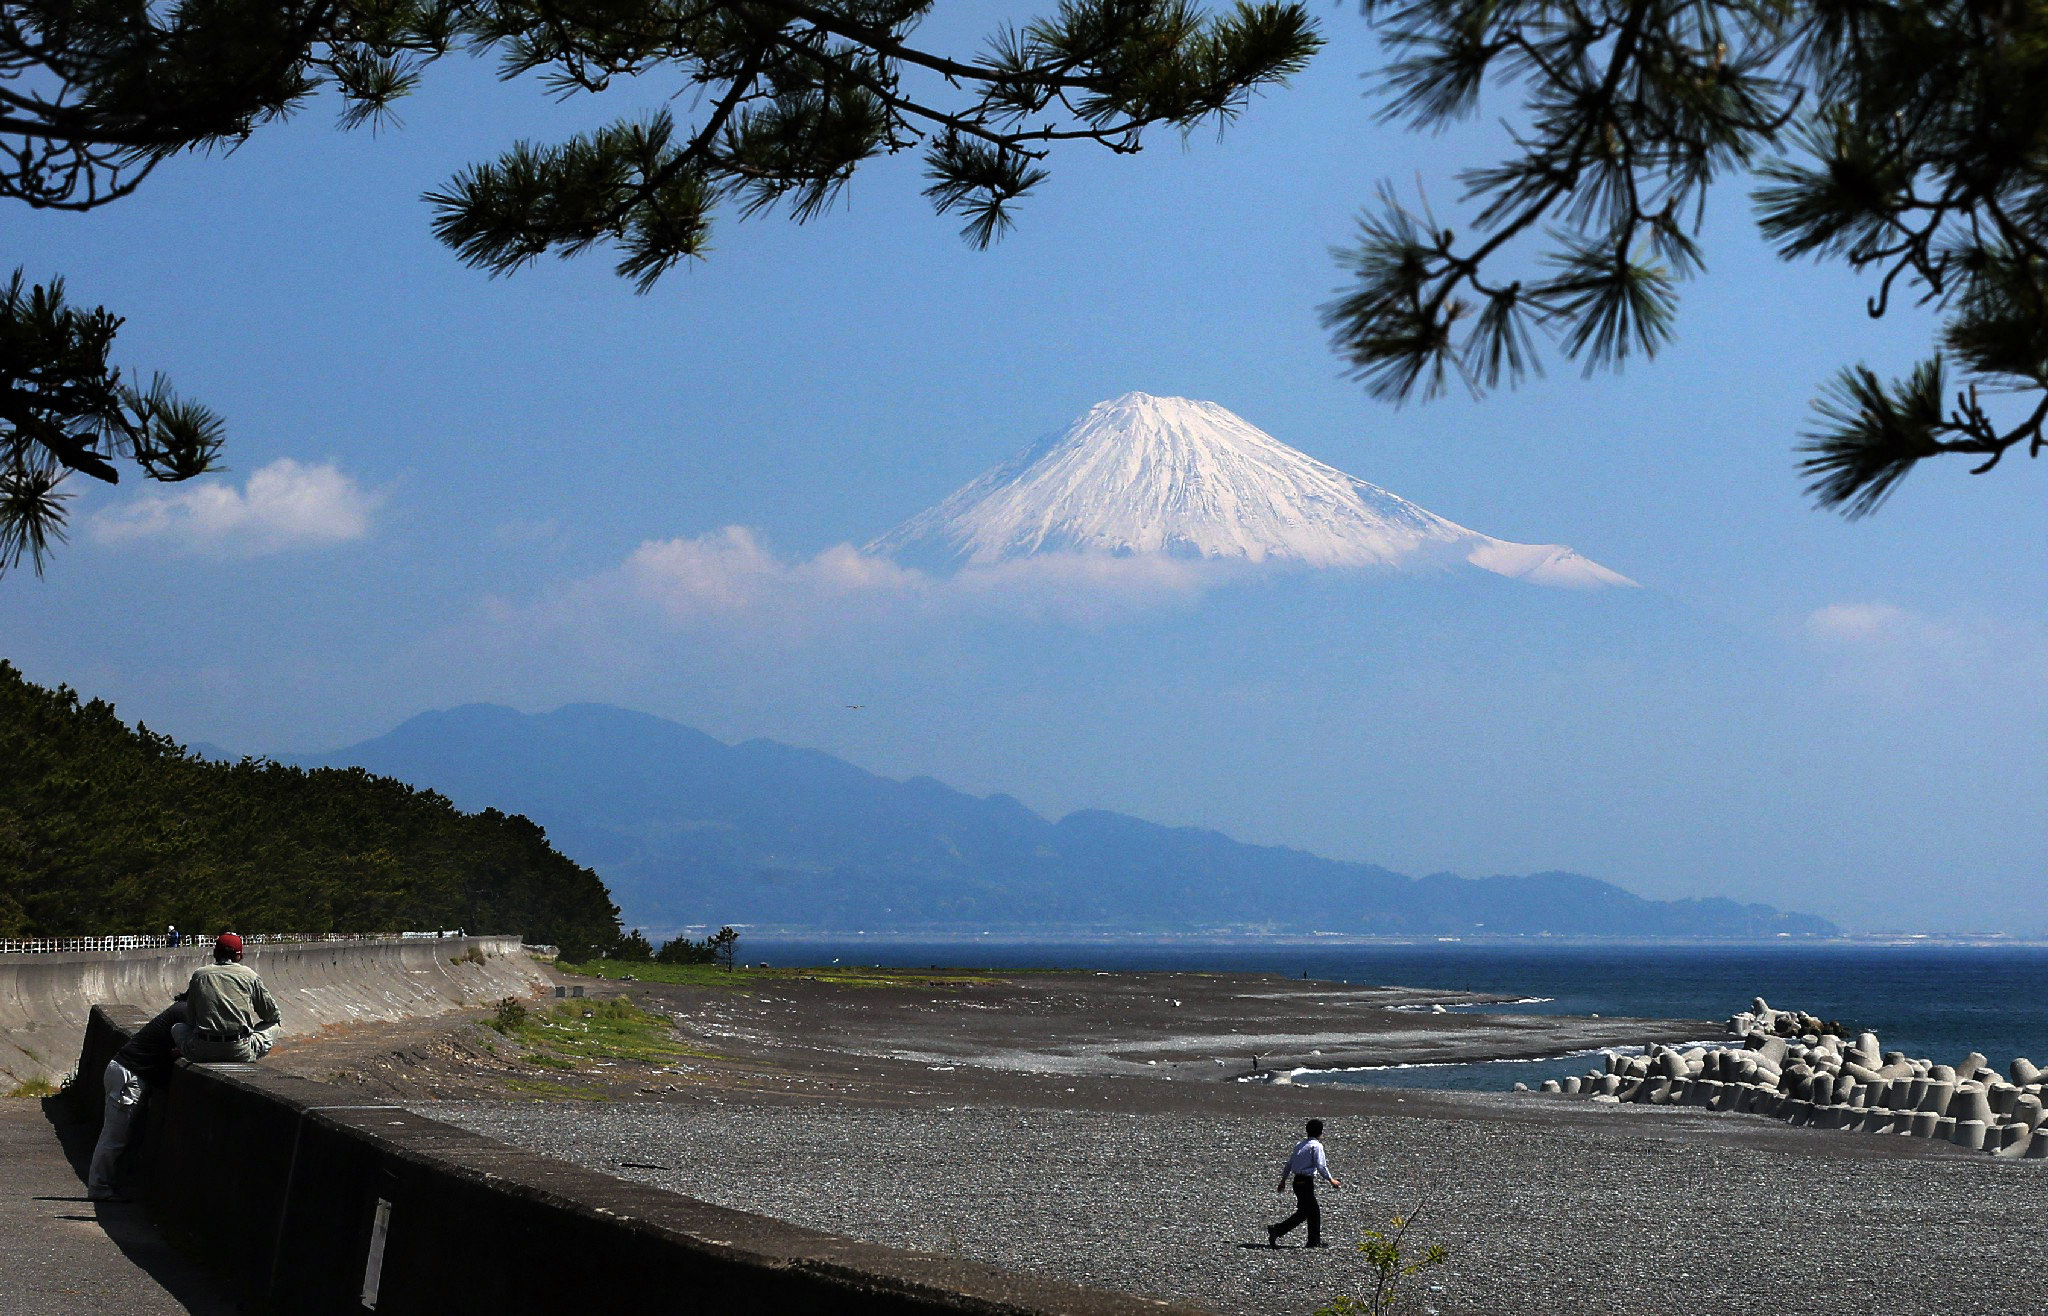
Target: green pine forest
{"points": [[107, 828]]}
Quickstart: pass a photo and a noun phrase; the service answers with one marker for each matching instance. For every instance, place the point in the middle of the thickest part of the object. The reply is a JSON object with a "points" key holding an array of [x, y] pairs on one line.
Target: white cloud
{"points": [[1872, 623], [284, 505], [1894, 652], [732, 571], [731, 576]]}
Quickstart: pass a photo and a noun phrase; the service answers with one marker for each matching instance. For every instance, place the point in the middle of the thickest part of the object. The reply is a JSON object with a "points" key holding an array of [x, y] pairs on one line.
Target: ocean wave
{"points": [[1447, 1007]]}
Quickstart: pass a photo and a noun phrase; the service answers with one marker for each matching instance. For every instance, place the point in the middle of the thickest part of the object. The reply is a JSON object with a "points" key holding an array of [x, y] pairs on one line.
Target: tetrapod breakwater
{"points": [[1790, 1066]]}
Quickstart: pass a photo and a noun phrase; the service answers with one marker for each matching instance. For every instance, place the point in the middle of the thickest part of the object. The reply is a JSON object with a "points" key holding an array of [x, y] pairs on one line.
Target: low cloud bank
{"points": [[731, 576], [1895, 650]]}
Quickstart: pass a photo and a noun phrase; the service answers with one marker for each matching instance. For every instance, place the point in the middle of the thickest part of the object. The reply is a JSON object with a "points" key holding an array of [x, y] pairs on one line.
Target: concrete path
{"points": [[60, 1254]]}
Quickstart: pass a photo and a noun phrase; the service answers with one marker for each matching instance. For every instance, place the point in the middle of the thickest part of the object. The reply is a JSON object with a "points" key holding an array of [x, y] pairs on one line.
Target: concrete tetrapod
{"points": [[1971, 1104], [1821, 1081]]}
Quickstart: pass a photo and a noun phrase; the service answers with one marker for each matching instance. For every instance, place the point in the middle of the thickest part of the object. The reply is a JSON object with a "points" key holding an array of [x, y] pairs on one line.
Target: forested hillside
{"points": [[111, 828]]}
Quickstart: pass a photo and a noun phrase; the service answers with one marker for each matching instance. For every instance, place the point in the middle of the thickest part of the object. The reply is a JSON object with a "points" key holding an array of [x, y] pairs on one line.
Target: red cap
{"points": [[229, 942]]}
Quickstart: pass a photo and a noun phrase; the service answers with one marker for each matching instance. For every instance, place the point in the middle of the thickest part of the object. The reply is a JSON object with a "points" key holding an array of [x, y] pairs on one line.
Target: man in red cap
{"points": [[230, 1013]]}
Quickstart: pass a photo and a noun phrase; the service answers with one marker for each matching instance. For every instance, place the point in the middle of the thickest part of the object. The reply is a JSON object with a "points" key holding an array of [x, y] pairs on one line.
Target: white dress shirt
{"points": [[1308, 1159]]}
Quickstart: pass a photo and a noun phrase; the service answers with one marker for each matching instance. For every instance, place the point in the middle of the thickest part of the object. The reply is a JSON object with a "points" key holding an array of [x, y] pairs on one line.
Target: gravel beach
{"points": [[1658, 1211], [1096, 1128]]}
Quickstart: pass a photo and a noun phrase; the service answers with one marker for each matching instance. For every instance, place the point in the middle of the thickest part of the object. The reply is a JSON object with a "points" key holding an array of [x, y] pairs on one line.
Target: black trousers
{"points": [[1305, 1208]]}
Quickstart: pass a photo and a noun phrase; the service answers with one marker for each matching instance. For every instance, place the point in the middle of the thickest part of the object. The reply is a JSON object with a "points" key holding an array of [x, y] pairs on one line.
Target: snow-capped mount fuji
{"points": [[1149, 475]]}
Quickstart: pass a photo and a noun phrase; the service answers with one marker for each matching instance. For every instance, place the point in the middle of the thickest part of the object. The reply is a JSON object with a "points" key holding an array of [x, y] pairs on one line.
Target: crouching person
{"points": [[136, 1069], [230, 1014]]}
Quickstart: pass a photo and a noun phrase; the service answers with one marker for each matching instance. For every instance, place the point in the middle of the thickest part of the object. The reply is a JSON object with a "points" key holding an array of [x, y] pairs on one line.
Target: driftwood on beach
{"points": [[1787, 1066]]}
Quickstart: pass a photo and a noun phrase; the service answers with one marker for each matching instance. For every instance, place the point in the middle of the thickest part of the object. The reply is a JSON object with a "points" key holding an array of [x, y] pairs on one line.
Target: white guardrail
{"points": [[197, 944]]}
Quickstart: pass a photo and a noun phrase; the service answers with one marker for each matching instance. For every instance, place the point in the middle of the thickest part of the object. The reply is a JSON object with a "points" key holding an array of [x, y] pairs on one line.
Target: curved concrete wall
{"points": [[45, 999], [309, 1200]]}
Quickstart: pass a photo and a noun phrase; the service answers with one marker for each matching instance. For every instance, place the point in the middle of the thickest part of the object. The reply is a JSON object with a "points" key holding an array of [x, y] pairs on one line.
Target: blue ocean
{"points": [[1937, 1001]]}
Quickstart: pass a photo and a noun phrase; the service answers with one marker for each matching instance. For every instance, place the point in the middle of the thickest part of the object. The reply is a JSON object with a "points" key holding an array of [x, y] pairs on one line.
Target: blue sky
{"points": [[446, 488]]}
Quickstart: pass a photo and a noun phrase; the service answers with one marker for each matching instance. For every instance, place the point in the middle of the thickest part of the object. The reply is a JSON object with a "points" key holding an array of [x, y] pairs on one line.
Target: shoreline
{"points": [[1256, 939], [1077, 1125]]}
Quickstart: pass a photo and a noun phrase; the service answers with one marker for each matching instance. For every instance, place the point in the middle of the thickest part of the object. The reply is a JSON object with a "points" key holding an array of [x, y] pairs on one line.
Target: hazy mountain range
{"points": [[690, 830], [1140, 474]]}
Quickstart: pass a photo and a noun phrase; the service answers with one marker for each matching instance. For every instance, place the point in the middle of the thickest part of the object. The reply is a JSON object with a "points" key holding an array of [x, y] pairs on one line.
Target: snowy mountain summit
{"points": [[1141, 474]]}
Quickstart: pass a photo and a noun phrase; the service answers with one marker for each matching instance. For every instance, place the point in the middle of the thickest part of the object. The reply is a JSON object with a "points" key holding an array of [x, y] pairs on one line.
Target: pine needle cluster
{"points": [[1905, 137]]}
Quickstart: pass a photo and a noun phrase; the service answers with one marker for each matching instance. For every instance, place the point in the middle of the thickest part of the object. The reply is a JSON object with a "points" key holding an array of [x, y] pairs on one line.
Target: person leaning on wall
{"points": [[231, 1015], [136, 1070]]}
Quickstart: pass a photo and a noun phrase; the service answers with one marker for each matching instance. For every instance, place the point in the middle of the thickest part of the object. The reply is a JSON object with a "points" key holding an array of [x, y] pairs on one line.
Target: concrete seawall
{"points": [[308, 1199], [45, 999]]}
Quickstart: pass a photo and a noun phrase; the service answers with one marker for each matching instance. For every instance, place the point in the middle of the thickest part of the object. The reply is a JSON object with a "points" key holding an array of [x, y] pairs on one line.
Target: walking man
{"points": [[1303, 1168], [137, 1068], [231, 1014]]}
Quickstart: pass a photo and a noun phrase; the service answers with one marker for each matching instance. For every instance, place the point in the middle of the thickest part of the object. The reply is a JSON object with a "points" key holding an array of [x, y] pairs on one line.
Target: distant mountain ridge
{"points": [[1176, 477], [688, 830]]}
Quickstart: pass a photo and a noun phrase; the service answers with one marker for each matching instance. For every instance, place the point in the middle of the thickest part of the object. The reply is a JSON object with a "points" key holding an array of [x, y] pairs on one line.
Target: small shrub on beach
{"points": [[512, 1014], [1391, 1266]]}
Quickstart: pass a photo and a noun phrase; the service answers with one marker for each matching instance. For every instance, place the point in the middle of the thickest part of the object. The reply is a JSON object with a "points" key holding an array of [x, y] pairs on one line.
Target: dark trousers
{"points": [[1305, 1208]]}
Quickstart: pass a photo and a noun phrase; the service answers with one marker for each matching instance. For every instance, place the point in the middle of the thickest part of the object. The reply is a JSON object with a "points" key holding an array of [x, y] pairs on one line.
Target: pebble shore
{"points": [[1644, 1210]]}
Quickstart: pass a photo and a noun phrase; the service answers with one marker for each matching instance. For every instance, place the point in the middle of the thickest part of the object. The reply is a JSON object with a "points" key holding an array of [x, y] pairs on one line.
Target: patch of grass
{"points": [[557, 1091], [546, 1061], [35, 1087], [710, 975], [575, 1033]]}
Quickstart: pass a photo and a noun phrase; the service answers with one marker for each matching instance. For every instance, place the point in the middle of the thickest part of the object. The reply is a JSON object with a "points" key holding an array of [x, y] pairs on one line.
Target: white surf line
{"points": [[1446, 1007], [1717, 1044]]}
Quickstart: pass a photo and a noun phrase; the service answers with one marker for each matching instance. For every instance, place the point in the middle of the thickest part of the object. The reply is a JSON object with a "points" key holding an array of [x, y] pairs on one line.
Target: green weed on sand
{"points": [[557, 1091], [574, 1035]]}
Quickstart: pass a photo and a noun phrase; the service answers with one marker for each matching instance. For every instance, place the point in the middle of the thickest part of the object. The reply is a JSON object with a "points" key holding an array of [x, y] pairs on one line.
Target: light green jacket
{"points": [[228, 1001]]}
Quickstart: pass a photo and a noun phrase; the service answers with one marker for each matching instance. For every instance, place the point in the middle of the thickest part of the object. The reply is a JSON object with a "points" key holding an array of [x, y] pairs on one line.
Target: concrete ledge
{"points": [[44, 999], [279, 1183]]}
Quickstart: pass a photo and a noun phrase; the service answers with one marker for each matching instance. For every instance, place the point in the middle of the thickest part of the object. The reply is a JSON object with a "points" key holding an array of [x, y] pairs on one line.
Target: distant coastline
{"points": [[685, 827], [1059, 937]]}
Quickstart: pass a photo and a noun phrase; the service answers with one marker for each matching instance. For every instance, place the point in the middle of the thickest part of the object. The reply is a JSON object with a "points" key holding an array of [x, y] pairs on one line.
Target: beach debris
{"points": [[1807, 1071]]}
